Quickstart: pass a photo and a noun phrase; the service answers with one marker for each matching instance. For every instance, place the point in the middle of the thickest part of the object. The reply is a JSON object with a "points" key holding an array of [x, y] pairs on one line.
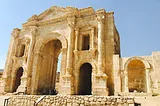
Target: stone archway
{"points": [[136, 75], [85, 79], [41, 46], [17, 80], [48, 67]]}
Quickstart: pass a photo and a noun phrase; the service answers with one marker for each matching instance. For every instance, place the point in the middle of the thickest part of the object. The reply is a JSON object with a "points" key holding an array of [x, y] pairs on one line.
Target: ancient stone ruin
{"points": [[91, 64]]}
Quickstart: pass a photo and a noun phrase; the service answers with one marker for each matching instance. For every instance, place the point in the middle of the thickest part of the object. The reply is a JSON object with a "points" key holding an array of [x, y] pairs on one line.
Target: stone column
{"points": [[92, 34], [68, 84], [76, 40], [35, 72], [71, 24], [8, 66], [13, 79], [148, 88], [126, 81], [30, 57], [100, 87], [101, 43]]}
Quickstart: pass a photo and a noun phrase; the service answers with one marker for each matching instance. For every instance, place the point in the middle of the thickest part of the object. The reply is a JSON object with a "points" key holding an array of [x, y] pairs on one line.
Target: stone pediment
{"points": [[58, 13]]}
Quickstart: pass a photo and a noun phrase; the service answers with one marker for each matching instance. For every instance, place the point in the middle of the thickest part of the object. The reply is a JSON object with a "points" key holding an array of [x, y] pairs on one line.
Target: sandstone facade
{"points": [[90, 63]]}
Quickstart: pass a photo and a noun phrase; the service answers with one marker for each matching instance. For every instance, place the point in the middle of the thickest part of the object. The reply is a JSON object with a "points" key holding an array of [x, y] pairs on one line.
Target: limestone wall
{"points": [[156, 66], [29, 100]]}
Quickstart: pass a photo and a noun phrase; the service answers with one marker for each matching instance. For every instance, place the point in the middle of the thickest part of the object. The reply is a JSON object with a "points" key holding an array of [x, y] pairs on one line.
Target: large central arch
{"points": [[48, 67], [47, 50]]}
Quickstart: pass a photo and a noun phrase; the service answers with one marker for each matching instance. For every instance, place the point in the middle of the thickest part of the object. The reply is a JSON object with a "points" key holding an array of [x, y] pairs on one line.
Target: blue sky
{"points": [[138, 21]]}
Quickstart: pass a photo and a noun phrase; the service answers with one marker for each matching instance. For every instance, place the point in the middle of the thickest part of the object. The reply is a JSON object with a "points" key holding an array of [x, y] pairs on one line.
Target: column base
{"points": [[100, 85], [22, 87], [66, 86]]}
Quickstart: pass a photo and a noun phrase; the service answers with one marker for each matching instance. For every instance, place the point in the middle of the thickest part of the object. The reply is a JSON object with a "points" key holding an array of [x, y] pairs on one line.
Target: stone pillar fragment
{"points": [[101, 43], [92, 35], [148, 81], [76, 40], [71, 24], [126, 81]]}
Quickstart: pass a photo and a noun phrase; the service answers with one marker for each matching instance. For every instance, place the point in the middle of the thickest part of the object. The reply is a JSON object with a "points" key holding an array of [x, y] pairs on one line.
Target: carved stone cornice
{"points": [[34, 17], [109, 14], [15, 33], [31, 23], [69, 12]]}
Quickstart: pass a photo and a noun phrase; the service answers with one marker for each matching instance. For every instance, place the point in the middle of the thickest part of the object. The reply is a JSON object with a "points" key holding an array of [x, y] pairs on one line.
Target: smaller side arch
{"points": [[132, 81], [78, 65], [146, 64], [16, 79], [77, 72]]}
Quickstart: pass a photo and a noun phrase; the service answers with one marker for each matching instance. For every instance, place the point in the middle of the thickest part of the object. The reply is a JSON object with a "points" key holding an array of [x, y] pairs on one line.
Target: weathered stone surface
{"points": [[47, 101], [89, 45]]}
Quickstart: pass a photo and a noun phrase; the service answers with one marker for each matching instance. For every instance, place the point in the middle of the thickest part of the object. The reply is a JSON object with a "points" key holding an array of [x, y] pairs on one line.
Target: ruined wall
{"points": [[71, 101], [156, 66], [151, 74]]}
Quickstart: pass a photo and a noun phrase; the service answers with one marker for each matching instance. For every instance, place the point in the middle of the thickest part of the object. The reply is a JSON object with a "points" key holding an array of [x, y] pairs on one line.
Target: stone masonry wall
{"points": [[61, 100]]}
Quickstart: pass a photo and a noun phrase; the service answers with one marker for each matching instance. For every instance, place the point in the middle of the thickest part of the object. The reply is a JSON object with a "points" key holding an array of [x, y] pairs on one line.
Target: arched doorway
{"points": [[48, 68], [85, 79], [136, 76], [17, 83]]}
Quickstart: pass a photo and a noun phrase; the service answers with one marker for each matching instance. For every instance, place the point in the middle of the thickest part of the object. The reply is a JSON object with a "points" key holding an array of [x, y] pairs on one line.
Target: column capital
{"points": [[76, 31], [15, 33], [76, 28], [71, 22], [33, 30], [101, 15], [93, 28]]}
